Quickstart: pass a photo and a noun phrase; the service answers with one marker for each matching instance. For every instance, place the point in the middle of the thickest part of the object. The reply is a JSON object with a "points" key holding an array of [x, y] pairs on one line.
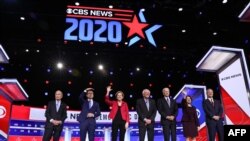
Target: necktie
{"points": [[147, 104], [212, 102], [57, 106], [89, 103], [168, 101]]}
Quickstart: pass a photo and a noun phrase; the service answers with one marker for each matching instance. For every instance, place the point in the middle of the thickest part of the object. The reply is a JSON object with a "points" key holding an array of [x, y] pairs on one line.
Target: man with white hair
{"points": [[146, 110]]}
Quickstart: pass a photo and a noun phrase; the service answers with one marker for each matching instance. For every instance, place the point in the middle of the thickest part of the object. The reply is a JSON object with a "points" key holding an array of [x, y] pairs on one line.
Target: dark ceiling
{"points": [[172, 63]]}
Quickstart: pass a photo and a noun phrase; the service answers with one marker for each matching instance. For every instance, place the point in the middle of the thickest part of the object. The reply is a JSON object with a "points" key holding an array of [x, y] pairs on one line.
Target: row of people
{"points": [[146, 109]]}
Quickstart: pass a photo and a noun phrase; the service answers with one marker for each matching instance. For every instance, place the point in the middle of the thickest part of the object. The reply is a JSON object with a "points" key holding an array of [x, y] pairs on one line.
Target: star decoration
{"points": [[135, 27]]}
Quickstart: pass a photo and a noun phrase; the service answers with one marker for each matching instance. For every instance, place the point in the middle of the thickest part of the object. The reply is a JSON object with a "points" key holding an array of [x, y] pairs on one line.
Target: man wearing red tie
{"points": [[213, 110]]}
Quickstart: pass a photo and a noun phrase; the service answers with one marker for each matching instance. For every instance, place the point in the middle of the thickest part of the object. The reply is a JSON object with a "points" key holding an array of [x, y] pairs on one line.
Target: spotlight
{"points": [[100, 67], [131, 84], [143, 9], [91, 72], [90, 83], [47, 82], [70, 71], [59, 65], [77, 3], [2, 68], [111, 73], [27, 69], [69, 82], [22, 18], [150, 85], [137, 69], [180, 9]]}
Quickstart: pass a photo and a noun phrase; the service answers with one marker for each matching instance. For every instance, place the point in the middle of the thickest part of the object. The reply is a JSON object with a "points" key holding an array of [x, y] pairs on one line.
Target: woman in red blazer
{"points": [[119, 114]]}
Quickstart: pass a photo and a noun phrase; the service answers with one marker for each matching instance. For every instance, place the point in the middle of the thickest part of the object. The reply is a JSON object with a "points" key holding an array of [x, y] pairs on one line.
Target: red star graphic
{"points": [[135, 27]]}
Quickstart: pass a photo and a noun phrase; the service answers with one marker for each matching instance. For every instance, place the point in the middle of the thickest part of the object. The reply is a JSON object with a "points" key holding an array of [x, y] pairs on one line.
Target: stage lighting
{"points": [[110, 6], [91, 72], [100, 67], [59, 65], [180, 9], [77, 3], [22, 18], [224, 1], [111, 73]]}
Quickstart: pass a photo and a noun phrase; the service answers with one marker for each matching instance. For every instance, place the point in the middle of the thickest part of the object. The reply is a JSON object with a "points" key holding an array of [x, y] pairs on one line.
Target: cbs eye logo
{"points": [[198, 113], [2, 112]]}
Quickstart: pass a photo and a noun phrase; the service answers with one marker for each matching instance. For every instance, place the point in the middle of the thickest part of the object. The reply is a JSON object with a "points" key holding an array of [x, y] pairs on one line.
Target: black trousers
{"points": [[215, 127], [150, 130], [118, 126], [54, 131], [169, 129]]}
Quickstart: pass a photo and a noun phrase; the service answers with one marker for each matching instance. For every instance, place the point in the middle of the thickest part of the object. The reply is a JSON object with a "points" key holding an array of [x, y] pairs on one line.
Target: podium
{"points": [[10, 90], [231, 68]]}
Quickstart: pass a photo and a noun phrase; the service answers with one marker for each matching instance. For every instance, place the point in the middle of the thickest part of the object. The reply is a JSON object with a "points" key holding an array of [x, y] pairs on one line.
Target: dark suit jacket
{"points": [[143, 112], [95, 109], [165, 110], [211, 110], [51, 113]]}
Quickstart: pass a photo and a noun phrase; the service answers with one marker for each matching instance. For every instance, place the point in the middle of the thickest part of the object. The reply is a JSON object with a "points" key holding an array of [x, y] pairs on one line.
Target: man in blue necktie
{"points": [[146, 110], [56, 113], [87, 118]]}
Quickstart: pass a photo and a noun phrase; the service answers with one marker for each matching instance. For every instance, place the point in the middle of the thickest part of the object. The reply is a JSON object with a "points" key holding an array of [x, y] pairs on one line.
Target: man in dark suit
{"points": [[56, 113], [213, 110], [146, 110], [87, 118], [168, 110]]}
